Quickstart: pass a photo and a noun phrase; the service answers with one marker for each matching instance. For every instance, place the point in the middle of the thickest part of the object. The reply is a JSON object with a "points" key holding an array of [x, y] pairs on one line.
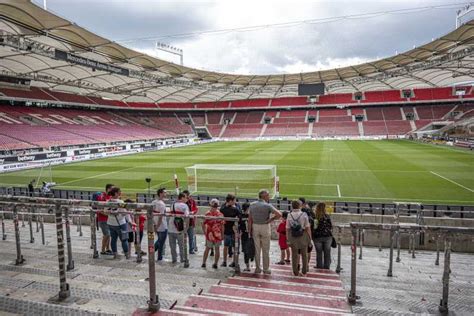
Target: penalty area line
{"points": [[338, 190], [454, 182]]}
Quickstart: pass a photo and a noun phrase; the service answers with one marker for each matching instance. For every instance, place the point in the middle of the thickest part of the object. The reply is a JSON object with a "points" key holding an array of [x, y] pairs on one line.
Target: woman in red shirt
{"points": [[214, 231]]}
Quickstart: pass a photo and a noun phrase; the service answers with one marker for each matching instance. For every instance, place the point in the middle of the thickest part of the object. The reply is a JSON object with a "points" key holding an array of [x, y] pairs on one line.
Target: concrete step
{"points": [[283, 276], [311, 269], [254, 306], [332, 304], [201, 311], [288, 271], [287, 286]]}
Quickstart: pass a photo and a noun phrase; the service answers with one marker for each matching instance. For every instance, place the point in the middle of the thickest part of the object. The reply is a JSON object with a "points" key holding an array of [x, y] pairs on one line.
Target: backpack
{"points": [[295, 227], [97, 196], [178, 222]]}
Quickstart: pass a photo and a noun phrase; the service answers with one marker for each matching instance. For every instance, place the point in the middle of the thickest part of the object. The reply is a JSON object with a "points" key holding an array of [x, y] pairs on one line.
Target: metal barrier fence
{"points": [[404, 208], [81, 208], [442, 232]]}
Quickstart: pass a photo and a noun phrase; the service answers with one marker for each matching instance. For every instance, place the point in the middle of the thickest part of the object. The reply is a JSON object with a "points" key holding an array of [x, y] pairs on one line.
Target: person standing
{"points": [[259, 225], [177, 226], [31, 188], [214, 232], [298, 233], [102, 221], [284, 248], [229, 210], [193, 210], [322, 237], [117, 224], [160, 222]]}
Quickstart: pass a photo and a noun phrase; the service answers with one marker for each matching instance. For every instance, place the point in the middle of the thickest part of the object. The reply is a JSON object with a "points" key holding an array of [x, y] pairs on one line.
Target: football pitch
{"points": [[366, 171]]}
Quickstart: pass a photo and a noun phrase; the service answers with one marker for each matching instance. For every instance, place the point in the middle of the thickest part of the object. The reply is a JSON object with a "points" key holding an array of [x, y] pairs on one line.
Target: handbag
{"points": [[333, 243]]}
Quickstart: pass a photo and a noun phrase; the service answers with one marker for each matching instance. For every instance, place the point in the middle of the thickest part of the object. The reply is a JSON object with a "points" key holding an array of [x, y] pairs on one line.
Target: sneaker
{"points": [[267, 272], [203, 265], [288, 261], [127, 256], [280, 262], [247, 270], [257, 271], [143, 253], [109, 252], [103, 253], [224, 264], [232, 265], [214, 266], [191, 252]]}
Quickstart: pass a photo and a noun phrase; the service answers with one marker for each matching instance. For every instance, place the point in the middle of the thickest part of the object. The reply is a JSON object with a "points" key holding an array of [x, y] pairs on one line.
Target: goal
{"points": [[243, 180]]}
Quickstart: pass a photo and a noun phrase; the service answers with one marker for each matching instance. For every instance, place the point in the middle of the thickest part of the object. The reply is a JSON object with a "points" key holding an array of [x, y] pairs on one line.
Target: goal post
{"points": [[243, 180]]}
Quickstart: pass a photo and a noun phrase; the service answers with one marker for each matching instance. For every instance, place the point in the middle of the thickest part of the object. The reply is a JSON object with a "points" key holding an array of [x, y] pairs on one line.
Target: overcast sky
{"points": [[297, 48]]}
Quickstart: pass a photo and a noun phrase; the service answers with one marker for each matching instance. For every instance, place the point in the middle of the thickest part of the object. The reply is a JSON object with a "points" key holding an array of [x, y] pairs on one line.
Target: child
{"points": [[214, 231], [285, 250]]}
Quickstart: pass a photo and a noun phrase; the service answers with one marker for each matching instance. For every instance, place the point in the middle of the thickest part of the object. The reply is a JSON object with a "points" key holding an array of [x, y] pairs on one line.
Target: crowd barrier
{"points": [[448, 234], [81, 208]]}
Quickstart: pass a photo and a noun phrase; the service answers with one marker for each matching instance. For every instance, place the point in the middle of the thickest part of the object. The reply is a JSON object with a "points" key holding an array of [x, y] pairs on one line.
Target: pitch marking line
{"points": [[454, 182], [338, 190]]}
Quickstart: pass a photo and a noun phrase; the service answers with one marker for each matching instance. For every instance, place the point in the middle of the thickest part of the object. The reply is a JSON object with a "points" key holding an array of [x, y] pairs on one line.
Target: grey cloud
{"points": [[269, 50]]}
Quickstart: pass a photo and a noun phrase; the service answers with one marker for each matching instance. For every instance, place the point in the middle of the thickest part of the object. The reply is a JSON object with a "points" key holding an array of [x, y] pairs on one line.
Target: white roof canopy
{"points": [[32, 35]]}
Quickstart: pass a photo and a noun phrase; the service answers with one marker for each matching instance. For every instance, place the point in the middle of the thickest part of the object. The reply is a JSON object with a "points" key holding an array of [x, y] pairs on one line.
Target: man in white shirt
{"points": [[160, 222], [177, 227], [298, 234]]}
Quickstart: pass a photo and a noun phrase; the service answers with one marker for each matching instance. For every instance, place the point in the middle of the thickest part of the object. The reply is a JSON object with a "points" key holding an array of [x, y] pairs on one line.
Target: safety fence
{"points": [[374, 208], [442, 233], [63, 210]]}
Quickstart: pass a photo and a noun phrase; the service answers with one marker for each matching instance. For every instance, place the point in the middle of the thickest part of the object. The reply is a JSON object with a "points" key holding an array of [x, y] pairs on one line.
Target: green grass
{"points": [[371, 171]]}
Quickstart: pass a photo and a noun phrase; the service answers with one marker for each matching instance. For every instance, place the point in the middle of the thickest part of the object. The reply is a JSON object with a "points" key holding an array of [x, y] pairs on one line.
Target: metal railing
{"points": [[445, 232], [83, 208]]}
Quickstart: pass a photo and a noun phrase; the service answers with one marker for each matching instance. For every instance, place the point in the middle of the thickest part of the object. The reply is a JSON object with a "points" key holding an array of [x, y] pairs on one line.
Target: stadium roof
{"points": [[56, 53]]}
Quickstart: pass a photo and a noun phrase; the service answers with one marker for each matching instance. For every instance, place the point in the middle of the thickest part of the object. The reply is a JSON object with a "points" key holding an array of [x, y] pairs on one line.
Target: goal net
{"points": [[243, 180]]}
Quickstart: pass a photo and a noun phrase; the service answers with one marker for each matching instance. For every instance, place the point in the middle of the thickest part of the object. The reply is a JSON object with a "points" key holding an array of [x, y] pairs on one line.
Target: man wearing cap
{"points": [[261, 214]]}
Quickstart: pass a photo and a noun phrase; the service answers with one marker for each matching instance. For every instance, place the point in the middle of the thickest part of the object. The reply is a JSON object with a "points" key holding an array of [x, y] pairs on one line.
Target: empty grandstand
{"points": [[386, 141]]}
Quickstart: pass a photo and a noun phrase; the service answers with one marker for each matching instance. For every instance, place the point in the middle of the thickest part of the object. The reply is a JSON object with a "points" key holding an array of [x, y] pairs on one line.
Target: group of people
{"points": [[306, 224], [126, 227]]}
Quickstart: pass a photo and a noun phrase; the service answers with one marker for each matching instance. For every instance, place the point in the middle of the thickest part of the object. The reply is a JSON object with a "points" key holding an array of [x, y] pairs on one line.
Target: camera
{"points": [[148, 180]]}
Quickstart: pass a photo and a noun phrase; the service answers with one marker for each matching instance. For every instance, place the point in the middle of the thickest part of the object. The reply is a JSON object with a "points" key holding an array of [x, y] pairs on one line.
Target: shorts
{"points": [[210, 244], [228, 240], [104, 228]]}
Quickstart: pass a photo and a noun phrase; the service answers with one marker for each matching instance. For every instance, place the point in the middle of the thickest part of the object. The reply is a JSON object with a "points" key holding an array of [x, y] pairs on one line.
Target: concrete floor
{"points": [[104, 286]]}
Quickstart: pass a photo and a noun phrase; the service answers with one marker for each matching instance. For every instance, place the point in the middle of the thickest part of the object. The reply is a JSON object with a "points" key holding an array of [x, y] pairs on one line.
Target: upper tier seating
{"points": [[249, 117]]}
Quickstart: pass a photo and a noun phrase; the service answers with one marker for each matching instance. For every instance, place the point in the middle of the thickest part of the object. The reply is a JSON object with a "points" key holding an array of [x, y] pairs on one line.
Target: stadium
{"points": [[386, 145]]}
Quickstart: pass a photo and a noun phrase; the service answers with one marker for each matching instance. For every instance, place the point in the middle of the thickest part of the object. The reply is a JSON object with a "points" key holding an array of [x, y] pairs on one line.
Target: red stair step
{"points": [[332, 304], [201, 311], [287, 286], [317, 275], [311, 269], [253, 306], [291, 278]]}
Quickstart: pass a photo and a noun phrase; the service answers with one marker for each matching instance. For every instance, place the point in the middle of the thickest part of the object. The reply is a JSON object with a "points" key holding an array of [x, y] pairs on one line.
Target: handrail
{"points": [[448, 232], [61, 211]]}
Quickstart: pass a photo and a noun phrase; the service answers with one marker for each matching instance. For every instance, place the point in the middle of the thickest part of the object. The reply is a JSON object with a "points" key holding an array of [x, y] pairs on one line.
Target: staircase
{"points": [[361, 128], [281, 293], [310, 129], [222, 130], [413, 125], [264, 128]]}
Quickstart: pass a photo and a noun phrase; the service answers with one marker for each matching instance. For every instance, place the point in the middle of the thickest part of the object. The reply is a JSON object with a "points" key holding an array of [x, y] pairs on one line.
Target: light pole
{"points": [[170, 49]]}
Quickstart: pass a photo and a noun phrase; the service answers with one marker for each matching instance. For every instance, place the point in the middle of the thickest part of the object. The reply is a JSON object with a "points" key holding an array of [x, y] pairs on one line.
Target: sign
{"points": [[86, 62]]}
